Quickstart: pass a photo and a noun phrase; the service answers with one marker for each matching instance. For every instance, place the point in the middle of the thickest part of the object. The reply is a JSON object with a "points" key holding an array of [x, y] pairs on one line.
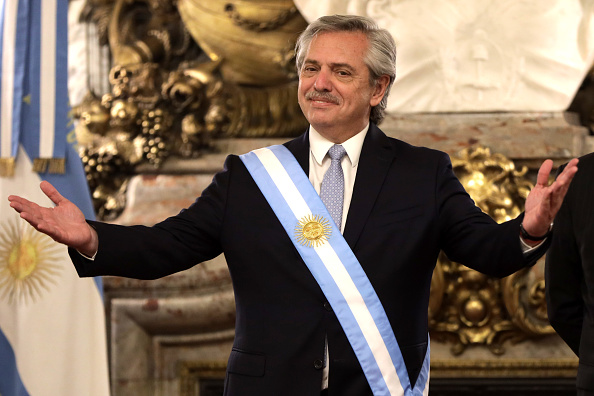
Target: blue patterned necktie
{"points": [[332, 190]]}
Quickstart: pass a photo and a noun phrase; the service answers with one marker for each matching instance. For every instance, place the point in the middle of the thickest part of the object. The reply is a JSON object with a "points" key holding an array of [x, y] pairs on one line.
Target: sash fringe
{"points": [[50, 165], [7, 167]]}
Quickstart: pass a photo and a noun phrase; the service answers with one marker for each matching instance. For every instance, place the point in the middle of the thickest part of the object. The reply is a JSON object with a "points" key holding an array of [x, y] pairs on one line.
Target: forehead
{"points": [[338, 47]]}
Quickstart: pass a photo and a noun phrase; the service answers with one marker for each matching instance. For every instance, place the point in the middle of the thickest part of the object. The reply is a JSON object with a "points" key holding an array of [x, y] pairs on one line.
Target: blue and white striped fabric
{"points": [[14, 17], [34, 87], [52, 324], [338, 272]]}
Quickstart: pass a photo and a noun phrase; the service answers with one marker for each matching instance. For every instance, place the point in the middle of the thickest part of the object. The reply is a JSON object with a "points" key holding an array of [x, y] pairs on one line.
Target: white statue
{"points": [[480, 55]]}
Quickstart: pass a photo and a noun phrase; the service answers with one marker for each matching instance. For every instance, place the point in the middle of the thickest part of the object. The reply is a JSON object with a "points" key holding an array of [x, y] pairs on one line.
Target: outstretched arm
{"points": [[544, 201], [64, 223]]}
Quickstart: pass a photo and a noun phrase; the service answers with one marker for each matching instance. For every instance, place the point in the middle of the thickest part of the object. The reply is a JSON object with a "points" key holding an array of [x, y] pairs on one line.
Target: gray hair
{"points": [[381, 54]]}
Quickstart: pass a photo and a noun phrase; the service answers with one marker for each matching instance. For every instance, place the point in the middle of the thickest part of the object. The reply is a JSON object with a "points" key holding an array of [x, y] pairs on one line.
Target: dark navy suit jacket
{"points": [[406, 206]]}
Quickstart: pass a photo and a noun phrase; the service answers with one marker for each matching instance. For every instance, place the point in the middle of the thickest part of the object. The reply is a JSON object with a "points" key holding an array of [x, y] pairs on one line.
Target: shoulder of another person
{"points": [[585, 167], [586, 162]]}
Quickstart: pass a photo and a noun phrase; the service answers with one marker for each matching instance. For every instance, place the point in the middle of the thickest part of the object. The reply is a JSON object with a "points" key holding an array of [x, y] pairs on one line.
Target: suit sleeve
{"points": [[471, 237], [173, 245], [563, 280]]}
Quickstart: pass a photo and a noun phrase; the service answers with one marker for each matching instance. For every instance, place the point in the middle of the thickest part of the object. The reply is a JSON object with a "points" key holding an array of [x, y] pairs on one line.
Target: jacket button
{"points": [[327, 306], [318, 364]]}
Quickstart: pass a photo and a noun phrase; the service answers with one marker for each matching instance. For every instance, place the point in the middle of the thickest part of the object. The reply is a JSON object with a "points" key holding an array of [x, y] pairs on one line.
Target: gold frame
{"points": [[496, 368]]}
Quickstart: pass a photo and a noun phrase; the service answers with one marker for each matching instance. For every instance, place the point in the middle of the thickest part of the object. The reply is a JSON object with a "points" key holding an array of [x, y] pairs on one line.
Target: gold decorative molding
{"points": [[468, 308], [255, 39], [518, 368], [7, 166], [185, 73]]}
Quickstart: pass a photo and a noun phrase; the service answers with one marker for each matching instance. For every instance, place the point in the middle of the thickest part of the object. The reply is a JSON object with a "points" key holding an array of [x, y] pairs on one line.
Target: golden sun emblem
{"points": [[28, 262], [313, 230]]}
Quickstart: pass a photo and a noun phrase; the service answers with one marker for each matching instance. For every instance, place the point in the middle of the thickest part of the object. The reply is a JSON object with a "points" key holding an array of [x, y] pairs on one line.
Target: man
{"points": [[399, 205], [569, 272]]}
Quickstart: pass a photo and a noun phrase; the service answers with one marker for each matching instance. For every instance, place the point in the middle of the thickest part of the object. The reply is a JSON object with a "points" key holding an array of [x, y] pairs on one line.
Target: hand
{"points": [[544, 201], [64, 223]]}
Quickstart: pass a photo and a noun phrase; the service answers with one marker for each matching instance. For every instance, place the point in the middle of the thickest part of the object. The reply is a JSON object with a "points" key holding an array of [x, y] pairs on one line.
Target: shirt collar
{"points": [[319, 145]]}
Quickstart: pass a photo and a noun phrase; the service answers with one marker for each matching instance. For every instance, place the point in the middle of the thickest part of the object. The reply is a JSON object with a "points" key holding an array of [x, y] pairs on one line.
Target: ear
{"points": [[380, 89]]}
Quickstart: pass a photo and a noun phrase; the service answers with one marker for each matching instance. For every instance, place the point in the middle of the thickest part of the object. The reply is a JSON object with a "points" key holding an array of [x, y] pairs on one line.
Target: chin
{"points": [[321, 117], [318, 123]]}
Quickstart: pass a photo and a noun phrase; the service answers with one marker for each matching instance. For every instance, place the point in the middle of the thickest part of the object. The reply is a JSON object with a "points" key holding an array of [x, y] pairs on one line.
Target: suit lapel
{"points": [[376, 157], [299, 147]]}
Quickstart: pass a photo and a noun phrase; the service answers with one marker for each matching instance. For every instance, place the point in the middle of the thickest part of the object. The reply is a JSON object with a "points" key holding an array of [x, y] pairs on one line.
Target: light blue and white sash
{"points": [[336, 269]]}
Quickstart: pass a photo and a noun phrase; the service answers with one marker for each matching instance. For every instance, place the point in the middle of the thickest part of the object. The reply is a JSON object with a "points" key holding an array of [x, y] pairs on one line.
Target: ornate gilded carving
{"points": [[168, 99], [251, 24], [255, 39], [468, 308]]}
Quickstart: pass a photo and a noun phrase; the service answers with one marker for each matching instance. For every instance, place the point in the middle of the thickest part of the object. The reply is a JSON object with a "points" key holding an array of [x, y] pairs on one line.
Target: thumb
{"points": [[52, 193]]}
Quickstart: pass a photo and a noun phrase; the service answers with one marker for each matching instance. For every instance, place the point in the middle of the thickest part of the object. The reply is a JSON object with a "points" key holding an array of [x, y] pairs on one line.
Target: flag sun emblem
{"points": [[313, 230], [28, 262]]}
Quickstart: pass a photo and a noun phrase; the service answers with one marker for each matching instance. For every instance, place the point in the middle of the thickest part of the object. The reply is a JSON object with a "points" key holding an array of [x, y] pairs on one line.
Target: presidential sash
{"points": [[336, 269]]}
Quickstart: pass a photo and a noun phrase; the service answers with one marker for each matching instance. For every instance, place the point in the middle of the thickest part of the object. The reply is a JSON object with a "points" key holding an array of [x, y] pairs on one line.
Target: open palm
{"points": [[65, 223], [544, 201]]}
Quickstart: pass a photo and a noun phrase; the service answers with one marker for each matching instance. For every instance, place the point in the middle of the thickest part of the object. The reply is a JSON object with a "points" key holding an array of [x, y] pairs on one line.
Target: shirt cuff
{"points": [[527, 248], [88, 257]]}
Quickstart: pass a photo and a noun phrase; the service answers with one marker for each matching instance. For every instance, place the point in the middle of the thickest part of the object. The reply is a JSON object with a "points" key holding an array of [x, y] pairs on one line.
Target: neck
{"points": [[337, 135]]}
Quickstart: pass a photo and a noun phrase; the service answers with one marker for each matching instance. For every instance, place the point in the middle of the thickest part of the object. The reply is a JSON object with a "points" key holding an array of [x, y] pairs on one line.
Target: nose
{"points": [[322, 82]]}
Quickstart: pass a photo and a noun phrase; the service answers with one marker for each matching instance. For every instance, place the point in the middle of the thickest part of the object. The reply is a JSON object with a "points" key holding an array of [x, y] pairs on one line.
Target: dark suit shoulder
{"points": [[583, 181], [418, 154], [416, 150], [586, 161], [403, 149], [588, 157]]}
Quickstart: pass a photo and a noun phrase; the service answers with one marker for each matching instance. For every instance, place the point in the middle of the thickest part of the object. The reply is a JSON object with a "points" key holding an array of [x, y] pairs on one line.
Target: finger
{"points": [[22, 205], [16, 199], [561, 185], [564, 179], [544, 172], [43, 226], [31, 219], [52, 193], [17, 205], [570, 170]]}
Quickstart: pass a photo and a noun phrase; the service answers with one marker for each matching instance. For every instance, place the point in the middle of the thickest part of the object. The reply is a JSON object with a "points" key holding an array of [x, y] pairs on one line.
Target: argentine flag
{"points": [[52, 324]]}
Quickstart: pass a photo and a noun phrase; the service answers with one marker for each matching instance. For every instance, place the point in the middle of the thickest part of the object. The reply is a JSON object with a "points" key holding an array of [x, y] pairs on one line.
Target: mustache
{"points": [[317, 95]]}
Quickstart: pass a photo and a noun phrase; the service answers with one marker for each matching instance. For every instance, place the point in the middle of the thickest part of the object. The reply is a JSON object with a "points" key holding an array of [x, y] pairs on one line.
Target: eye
{"points": [[309, 69], [343, 73]]}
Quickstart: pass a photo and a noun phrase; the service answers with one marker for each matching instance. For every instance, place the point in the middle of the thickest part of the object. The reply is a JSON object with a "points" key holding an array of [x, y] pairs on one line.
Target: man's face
{"points": [[334, 91]]}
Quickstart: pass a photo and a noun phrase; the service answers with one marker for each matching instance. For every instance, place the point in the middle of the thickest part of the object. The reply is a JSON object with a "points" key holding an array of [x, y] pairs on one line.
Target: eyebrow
{"points": [[332, 65]]}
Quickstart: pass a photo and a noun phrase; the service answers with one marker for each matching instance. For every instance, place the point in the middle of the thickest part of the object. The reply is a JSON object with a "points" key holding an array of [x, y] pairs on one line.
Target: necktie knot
{"points": [[336, 152]]}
